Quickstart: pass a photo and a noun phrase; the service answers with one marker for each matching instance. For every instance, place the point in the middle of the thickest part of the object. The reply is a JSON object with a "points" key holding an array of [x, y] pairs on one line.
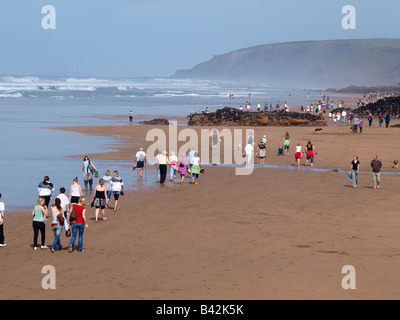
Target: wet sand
{"points": [[274, 234]]}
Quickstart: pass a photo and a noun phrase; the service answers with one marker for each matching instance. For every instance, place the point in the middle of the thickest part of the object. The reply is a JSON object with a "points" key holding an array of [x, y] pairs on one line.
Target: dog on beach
{"points": [[395, 163], [318, 130]]}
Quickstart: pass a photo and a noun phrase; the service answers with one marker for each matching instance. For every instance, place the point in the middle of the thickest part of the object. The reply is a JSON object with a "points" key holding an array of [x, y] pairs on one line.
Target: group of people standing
{"points": [[177, 165], [69, 212]]}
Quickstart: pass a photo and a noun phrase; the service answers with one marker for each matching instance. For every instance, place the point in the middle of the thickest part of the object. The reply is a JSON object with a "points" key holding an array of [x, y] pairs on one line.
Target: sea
{"points": [[30, 106]]}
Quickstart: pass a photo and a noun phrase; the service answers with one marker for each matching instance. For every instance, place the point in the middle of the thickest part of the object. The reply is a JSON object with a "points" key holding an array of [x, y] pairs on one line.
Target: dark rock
{"points": [[384, 106], [234, 117], [156, 122]]}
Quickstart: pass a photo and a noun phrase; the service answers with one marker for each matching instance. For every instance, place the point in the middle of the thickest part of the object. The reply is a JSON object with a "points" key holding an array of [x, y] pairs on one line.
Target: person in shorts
{"points": [[310, 149], [376, 166], [262, 152], [140, 162], [117, 188]]}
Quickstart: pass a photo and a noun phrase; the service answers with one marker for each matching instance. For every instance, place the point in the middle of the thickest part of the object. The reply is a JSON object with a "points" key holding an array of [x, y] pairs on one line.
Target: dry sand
{"points": [[274, 234]]}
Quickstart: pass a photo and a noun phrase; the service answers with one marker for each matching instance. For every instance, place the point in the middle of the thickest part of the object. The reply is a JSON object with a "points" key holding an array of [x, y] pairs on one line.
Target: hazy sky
{"points": [[133, 38]]}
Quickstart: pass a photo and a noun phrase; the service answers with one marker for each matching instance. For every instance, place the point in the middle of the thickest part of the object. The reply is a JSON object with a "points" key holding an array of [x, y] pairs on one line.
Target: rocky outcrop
{"points": [[234, 117], [384, 106], [156, 122]]}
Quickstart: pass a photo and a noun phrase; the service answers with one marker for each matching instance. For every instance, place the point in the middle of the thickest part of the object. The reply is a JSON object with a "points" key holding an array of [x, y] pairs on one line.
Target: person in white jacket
{"points": [[45, 189]]}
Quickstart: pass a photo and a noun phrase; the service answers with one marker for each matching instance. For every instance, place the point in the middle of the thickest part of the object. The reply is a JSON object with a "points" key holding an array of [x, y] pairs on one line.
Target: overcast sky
{"points": [[132, 38]]}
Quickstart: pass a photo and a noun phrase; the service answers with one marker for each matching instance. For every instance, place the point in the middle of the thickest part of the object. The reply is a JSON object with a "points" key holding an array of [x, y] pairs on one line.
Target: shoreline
{"points": [[274, 234]]}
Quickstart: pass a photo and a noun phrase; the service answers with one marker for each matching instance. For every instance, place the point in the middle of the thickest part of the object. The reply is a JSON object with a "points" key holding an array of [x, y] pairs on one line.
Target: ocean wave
{"points": [[21, 80], [75, 88], [125, 96], [170, 95], [85, 80], [11, 95]]}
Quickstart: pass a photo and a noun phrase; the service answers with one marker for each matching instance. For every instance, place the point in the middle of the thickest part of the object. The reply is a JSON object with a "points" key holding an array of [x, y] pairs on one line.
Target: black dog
{"points": [[395, 163]]}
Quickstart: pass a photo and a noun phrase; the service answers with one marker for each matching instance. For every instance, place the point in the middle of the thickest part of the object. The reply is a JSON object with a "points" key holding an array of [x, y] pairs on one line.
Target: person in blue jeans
{"points": [[57, 225], [78, 225]]}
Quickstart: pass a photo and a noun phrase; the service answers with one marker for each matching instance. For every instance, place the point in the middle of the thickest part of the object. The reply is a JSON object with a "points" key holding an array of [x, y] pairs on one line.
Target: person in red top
{"points": [[79, 224]]}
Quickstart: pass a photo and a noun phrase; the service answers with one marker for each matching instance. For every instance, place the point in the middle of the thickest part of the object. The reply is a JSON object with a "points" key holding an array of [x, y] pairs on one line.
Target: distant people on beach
{"points": [[39, 214], [286, 143], [310, 153], [100, 200], [298, 155], [162, 165], [75, 191], [355, 170], [376, 166], [173, 160], [140, 162], [45, 189], [89, 170], [130, 116], [79, 225], [182, 166], [107, 183], [2, 209], [196, 168], [361, 124], [157, 167], [117, 187], [387, 120], [370, 119], [262, 152], [215, 138], [248, 154]]}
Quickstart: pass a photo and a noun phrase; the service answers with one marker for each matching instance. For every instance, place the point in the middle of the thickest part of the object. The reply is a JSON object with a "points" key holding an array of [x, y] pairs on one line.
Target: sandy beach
{"points": [[274, 234]]}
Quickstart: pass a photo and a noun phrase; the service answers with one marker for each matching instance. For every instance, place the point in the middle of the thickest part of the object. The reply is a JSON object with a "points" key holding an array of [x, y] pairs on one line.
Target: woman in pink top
{"points": [[181, 166]]}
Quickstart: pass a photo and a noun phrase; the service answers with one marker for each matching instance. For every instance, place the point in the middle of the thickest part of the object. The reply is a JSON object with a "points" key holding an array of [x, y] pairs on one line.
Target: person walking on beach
{"points": [[356, 122], [65, 205], [88, 169], [262, 152], [162, 165], [75, 191], [248, 153], [173, 160], [2, 209], [182, 165], [107, 183], [215, 138], [39, 214], [100, 199], [297, 155], [130, 116], [355, 169], [58, 224], [190, 157], [45, 189], [157, 166], [310, 149], [387, 120], [196, 168], [117, 187], [376, 166], [370, 119], [286, 143], [78, 225], [140, 162], [361, 124], [380, 120]]}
